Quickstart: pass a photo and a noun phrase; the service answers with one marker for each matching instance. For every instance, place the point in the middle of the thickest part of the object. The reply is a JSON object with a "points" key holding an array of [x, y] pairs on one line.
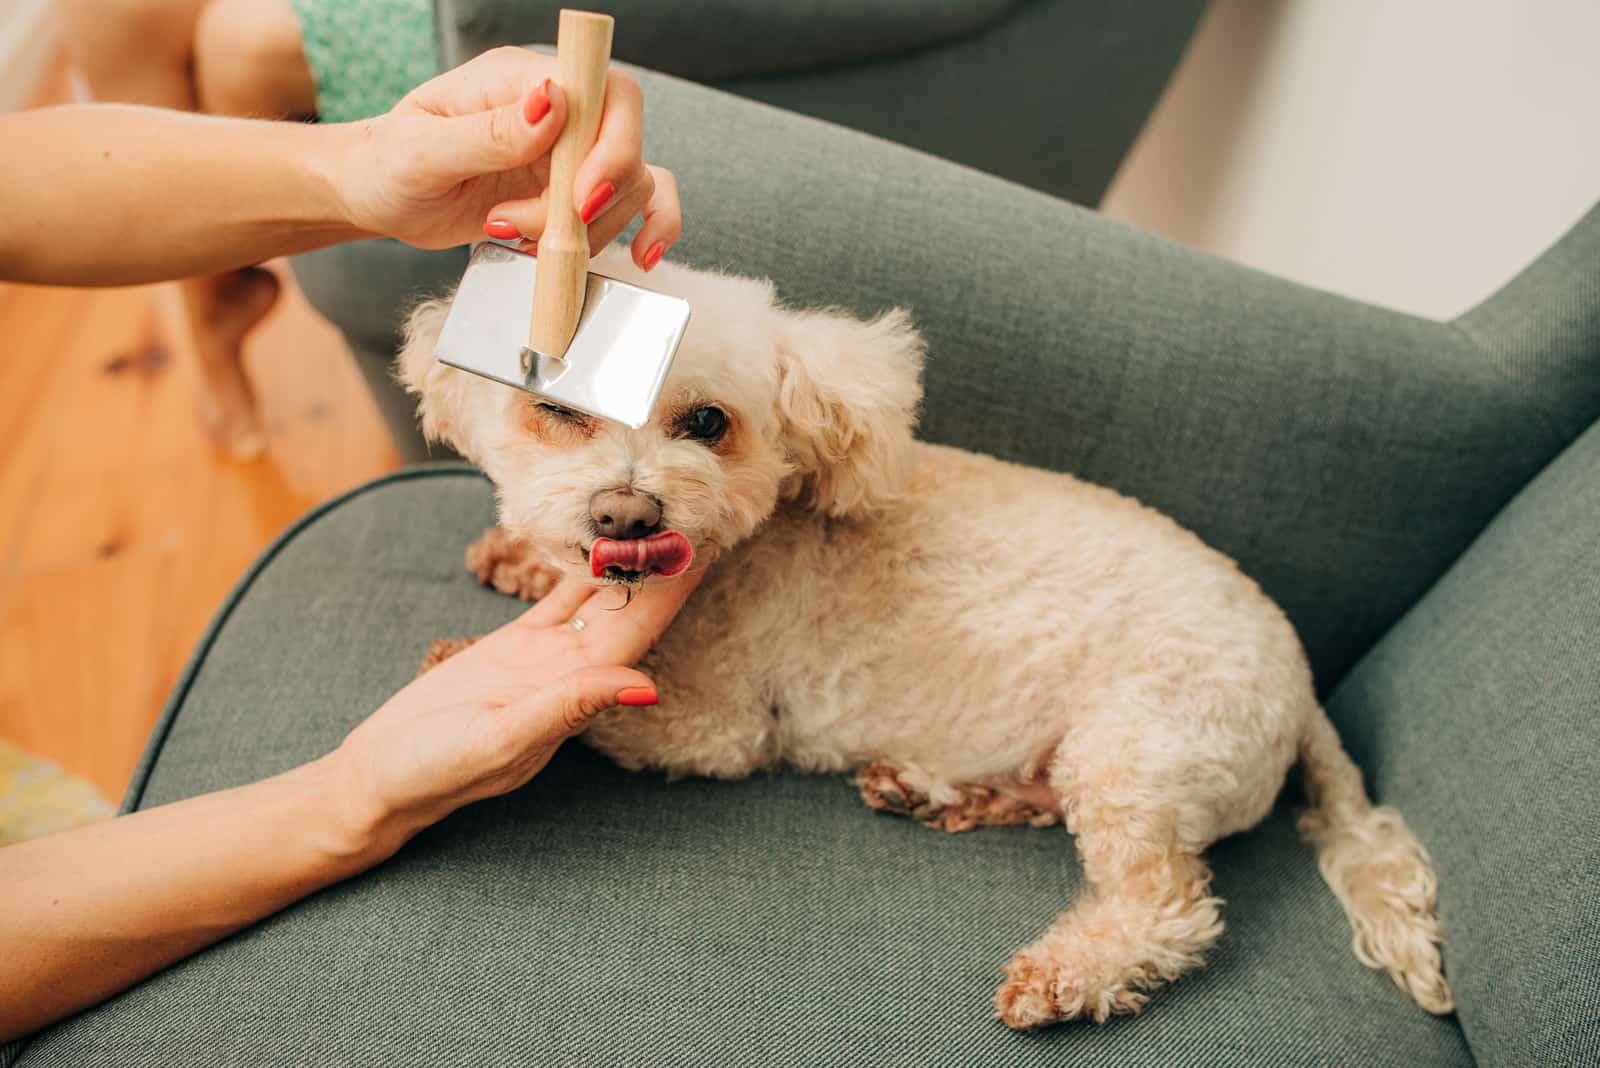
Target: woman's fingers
{"points": [[620, 210], [654, 196], [525, 219], [514, 220], [619, 630], [504, 77], [554, 713], [501, 138], [615, 165], [499, 76], [663, 220], [613, 184], [559, 605], [501, 112]]}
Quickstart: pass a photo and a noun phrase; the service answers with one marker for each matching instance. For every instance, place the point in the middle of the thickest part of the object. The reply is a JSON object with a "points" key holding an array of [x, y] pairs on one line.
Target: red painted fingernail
{"points": [[652, 255], [537, 106], [529, 247], [598, 198], [638, 696], [503, 230]]}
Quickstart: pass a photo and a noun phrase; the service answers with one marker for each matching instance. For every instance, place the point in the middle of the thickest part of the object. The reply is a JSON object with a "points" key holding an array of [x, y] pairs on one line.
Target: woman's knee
{"points": [[164, 25], [249, 60], [134, 51]]}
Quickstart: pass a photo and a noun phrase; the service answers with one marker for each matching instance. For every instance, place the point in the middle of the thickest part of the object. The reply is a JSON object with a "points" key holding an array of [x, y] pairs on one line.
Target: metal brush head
{"points": [[617, 361]]}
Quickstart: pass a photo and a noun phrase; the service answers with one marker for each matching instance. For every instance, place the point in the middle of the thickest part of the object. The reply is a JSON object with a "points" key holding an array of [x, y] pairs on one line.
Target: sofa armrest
{"points": [[1479, 716]]}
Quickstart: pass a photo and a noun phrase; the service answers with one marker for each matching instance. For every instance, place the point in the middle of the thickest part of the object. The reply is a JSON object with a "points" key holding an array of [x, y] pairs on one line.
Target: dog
{"points": [[979, 642]]}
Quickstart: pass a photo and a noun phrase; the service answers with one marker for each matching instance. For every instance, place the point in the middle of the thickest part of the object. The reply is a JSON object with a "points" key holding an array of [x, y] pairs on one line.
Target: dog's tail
{"points": [[1379, 872]]}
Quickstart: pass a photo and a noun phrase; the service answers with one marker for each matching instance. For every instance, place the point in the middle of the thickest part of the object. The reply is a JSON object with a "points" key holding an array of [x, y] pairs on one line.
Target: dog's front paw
{"points": [[510, 565], [441, 650], [1040, 991], [964, 808], [883, 789]]}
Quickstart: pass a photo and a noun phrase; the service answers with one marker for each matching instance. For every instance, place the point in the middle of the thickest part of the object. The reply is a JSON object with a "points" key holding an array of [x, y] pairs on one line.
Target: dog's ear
{"points": [[848, 393], [441, 390]]}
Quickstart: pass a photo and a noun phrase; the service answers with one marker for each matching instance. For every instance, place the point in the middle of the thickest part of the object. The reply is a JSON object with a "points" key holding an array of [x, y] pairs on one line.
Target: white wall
{"points": [[1414, 153]]}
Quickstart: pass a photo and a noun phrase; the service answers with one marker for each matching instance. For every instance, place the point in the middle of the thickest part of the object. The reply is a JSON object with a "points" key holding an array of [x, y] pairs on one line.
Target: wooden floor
{"points": [[121, 528]]}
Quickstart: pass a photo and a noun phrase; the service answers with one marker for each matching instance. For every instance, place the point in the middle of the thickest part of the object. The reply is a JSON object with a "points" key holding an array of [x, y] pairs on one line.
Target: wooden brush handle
{"points": [[583, 51]]}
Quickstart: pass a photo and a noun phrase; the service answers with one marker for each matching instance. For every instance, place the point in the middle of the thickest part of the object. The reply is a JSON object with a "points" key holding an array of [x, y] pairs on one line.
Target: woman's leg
{"points": [[247, 62], [135, 51], [224, 56]]}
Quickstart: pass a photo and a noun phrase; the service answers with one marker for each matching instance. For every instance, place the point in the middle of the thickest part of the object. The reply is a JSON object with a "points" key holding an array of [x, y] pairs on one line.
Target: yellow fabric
{"points": [[38, 797]]}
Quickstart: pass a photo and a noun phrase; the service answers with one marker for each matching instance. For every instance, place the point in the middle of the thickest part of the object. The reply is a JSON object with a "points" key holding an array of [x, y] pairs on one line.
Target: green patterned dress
{"points": [[367, 54]]}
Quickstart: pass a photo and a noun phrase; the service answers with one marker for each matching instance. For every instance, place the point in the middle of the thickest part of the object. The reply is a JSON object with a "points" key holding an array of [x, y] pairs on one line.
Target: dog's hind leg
{"points": [[1144, 916], [510, 565], [898, 791]]}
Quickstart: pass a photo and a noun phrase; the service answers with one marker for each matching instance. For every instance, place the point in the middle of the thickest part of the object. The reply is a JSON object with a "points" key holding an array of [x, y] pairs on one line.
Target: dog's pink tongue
{"points": [[668, 553]]}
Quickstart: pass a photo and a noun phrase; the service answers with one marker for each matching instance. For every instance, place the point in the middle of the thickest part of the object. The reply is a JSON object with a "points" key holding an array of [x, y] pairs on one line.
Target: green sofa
{"points": [[1422, 497]]}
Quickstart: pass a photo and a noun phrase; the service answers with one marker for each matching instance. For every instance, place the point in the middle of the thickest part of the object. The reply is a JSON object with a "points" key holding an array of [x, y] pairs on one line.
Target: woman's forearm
{"points": [[118, 195], [91, 911], [86, 913], [153, 194]]}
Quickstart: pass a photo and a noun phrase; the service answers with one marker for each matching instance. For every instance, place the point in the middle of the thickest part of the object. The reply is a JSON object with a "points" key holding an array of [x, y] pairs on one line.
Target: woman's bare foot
{"points": [[221, 310]]}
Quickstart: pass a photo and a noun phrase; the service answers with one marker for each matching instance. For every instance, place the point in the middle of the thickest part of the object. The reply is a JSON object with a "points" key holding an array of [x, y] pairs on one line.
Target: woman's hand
{"points": [[486, 720], [176, 195], [468, 153], [90, 911]]}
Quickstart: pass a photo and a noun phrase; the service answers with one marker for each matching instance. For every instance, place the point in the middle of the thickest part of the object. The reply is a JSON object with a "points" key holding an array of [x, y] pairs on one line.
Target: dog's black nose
{"points": [[623, 514]]}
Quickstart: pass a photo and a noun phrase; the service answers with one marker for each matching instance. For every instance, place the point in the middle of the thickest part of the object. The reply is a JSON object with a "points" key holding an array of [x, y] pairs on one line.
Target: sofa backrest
{"points": [[1049, 93]]}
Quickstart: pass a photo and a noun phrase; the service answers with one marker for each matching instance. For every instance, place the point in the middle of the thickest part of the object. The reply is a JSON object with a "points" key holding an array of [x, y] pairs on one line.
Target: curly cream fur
{"points": [[962, 625]]}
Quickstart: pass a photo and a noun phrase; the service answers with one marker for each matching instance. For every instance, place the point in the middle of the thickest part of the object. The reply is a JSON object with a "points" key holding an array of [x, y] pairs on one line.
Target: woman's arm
{"points": [[116, 195], [91, 911]]}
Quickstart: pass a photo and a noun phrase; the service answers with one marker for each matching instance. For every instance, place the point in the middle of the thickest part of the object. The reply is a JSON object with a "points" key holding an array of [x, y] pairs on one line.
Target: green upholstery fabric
{"points": [[365, 289], [715, 39], [1479, 715], [1050, 93], [599, 917]]}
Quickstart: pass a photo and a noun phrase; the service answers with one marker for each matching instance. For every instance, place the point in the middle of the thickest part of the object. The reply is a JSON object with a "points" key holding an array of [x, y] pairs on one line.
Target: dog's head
{"points": [[764, 405]]}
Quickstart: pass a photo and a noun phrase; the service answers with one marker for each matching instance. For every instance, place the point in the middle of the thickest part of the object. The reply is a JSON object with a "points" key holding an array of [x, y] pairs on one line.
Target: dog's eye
{"points": [[564, 413], [706, 424]]}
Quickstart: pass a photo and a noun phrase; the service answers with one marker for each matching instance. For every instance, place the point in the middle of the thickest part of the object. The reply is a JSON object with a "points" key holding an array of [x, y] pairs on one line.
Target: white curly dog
{"points": [[981, 642]]}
